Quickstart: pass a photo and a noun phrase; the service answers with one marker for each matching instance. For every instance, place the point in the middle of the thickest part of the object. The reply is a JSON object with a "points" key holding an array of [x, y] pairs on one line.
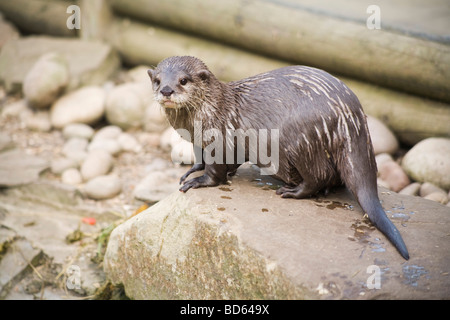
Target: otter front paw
{"points": [[196, 167], [199, 182]]}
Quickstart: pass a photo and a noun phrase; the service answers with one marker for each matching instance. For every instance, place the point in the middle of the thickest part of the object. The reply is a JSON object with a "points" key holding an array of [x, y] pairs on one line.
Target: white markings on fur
{"points": [[327, 133]]}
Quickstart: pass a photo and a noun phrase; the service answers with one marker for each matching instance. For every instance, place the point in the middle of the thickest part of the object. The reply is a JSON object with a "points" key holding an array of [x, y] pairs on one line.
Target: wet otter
{"points": [[323, 136]]}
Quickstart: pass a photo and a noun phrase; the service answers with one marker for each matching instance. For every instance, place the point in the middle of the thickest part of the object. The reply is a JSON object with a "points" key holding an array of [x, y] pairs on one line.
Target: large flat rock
{"points": [[242, 241], [90, 62]]}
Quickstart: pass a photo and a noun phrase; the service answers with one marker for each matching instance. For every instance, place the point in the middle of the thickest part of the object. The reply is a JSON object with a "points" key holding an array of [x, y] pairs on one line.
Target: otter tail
{"points": [[371, 205]]}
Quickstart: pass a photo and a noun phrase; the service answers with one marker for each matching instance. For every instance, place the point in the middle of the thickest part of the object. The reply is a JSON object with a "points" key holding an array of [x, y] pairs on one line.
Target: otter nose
{"points": [[166, 91]]}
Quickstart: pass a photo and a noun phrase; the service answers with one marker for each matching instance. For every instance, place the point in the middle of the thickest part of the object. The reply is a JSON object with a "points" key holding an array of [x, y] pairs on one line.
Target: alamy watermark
{"points": [[74, 21], [374, 280], [233, 146], [374, 20]]}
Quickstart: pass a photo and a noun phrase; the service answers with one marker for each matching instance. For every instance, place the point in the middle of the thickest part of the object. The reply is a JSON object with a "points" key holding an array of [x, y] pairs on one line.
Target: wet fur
{"points": [[324, 139]]}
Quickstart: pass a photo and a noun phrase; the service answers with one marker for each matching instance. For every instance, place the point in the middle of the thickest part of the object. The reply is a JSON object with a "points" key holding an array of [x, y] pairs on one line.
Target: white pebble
{"points": [[78, 130], [71, 176], [98, 162], [103, 187]]}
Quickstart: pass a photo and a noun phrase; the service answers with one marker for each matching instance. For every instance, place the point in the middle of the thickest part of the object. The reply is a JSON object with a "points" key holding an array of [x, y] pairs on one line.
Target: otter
{"points": [[323, 142]]}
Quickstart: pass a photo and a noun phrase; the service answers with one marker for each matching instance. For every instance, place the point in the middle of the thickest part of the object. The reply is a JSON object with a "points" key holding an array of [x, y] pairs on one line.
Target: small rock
{"points": [[108, 132], [157, 185], [382, 158], [149, 139], [110, 145], [411, 190], [48, 77], [139, 74], [85, 105], [15, 109], [429, 161], [39, 121], [125, 105], [103, 187], [155, 118], [393, 174], [97, 163], [59, 165], [383, 140], [438, 197], [78, 130], [383, 183], [428, 188], [7, 32], [71, 176], [157, 164], [183, 152], [75, 149], [17, 167], [168, 137], [90, 62], [128, 142]]}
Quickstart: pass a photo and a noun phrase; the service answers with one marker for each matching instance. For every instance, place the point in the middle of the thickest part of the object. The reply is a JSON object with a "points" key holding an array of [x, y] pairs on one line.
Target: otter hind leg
{"points": [[301, 191]]}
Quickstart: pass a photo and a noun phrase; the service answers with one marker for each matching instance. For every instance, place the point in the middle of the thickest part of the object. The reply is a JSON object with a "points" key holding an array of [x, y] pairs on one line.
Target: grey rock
{"points": [[71, 176], [39, 121], [242, 241], [90, 62], [181, 151], [46, 80], [392, 173], [383, 140], [7, 32], [75, 149], [411, 190], [97, 163], [17, 167], [128, 142], [85, 105], [15, 263], [139, 74], [108, 132], [15, 109], [155, 118], [438, 197], [429, 161], [126, 104], [158, 184], [59, 165], [103, 187], [110, 145], [78, 130], [428, 188]]}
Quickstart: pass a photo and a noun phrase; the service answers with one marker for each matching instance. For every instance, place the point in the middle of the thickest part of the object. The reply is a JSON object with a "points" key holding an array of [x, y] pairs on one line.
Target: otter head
{"points": [[180, 82]]}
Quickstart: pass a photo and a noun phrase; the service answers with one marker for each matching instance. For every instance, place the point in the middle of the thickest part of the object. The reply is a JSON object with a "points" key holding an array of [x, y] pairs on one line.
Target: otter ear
{"points": [[203, 74], [150, 73]]}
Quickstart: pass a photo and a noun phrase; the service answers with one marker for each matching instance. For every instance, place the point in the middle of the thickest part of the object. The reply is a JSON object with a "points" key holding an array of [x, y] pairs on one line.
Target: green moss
{"points": [[216, 266]]}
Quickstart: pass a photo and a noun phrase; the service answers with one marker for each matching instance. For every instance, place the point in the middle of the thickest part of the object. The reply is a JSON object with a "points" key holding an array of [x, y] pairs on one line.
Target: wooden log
{"points": [[288, 32], [145, 44], [39, 16], [412, 118], [97, 17]]}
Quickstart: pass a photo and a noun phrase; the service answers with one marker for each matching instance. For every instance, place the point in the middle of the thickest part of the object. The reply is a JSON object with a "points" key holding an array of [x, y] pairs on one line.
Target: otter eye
{"points": [[157, 81], [183, 81]]}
